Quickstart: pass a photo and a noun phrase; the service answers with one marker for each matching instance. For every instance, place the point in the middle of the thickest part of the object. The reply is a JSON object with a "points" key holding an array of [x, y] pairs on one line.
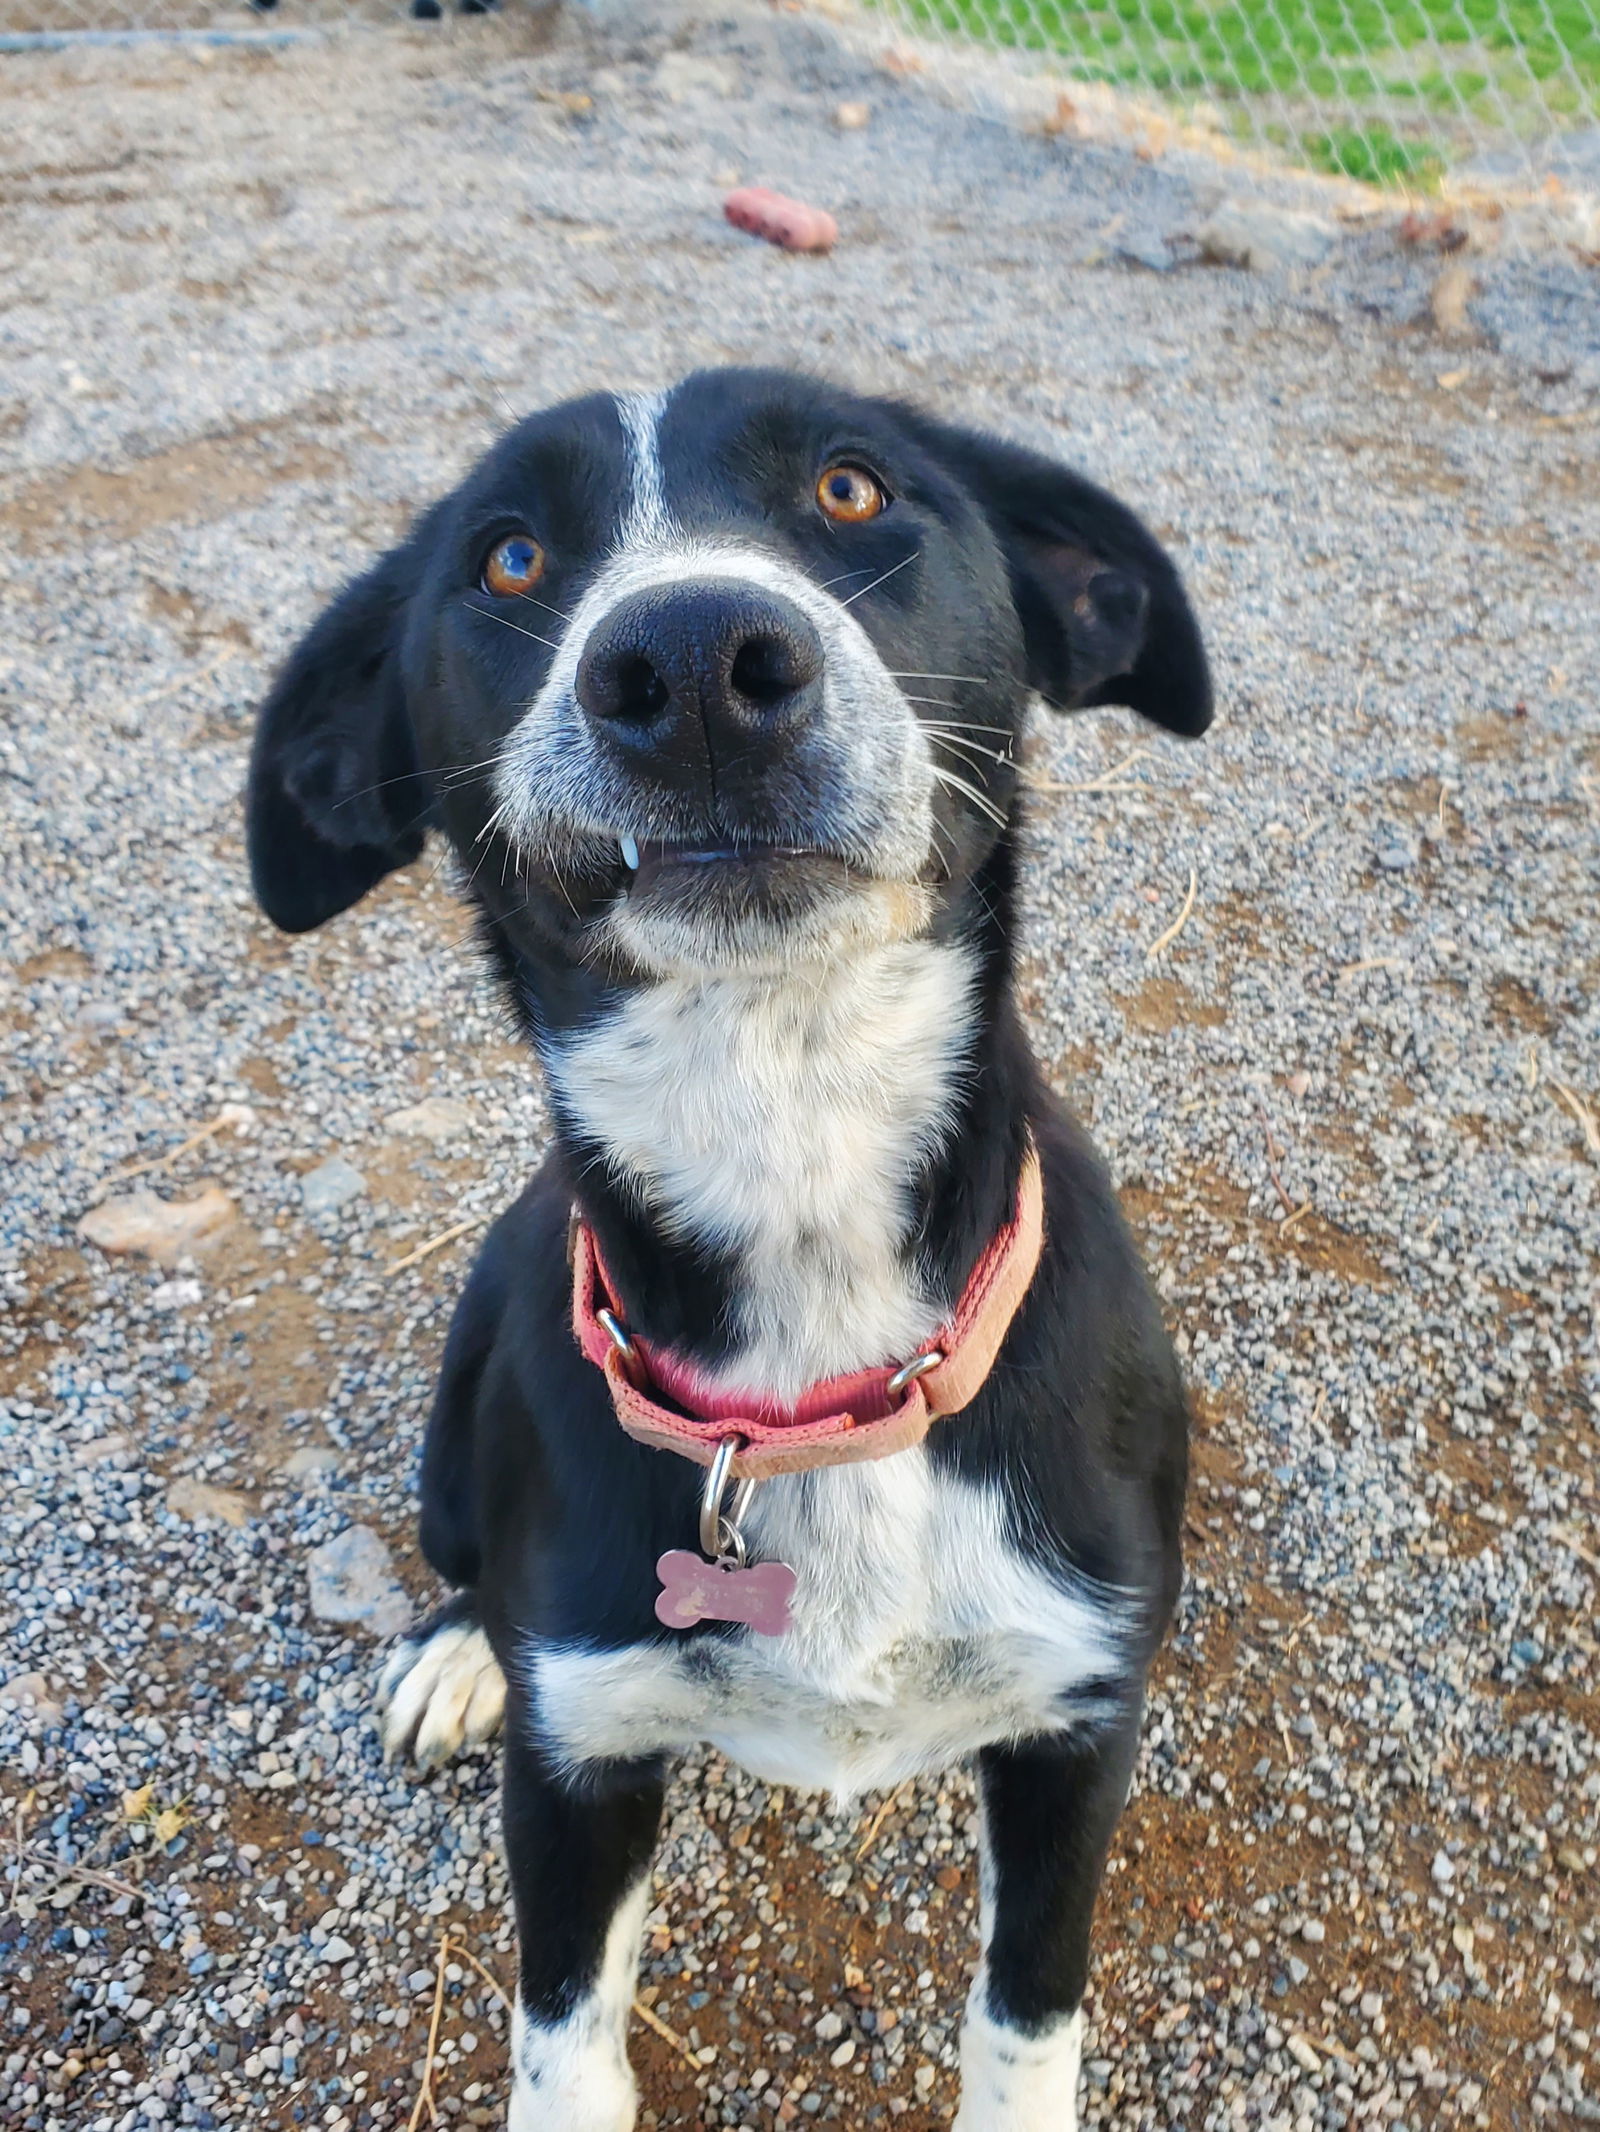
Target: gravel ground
{"points": [[254, 313]]}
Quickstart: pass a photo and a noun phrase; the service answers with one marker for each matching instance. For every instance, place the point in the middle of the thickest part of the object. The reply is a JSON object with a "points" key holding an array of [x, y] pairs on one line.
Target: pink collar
{"points": [[865, 1415]]}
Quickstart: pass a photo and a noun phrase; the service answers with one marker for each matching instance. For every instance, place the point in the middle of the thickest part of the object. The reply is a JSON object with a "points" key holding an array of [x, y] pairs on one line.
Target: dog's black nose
{"points": [[691, 674]]}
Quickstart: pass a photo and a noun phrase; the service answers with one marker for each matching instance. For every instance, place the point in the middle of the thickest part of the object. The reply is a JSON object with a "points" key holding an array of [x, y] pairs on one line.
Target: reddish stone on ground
{"points": [[780, 220]]}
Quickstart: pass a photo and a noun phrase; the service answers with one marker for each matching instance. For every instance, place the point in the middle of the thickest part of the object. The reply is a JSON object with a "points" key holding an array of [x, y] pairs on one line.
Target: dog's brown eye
{"points": [[512, 566], [851, 495]]}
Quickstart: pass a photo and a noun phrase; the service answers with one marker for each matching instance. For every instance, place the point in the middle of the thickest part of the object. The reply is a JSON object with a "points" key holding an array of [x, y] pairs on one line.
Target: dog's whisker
{"points": [[382, 785], [959, 725], [461, 774], [952, 728], [883, 580], [956, 736], [493, 823], [970, 747], [982, 680], [949, 850], [556, 876], [980, 800], [506, 622], [457, 780], [494, 386], [956, 729], [533, 600], [471, 879]]}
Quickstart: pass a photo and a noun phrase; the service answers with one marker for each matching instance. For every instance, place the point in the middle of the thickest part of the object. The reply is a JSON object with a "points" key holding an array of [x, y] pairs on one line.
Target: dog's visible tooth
{"points": [[630, 854]]}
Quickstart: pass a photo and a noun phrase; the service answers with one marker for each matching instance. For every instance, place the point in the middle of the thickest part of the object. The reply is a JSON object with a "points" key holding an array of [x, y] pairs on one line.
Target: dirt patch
{"points": [[60, 1282], [54, 962], [210, 477], [1326, 1248], [1489, 734], [261, 1076], [1162, 1004], [1406, 464], [1514, 1006], [196, 627]]}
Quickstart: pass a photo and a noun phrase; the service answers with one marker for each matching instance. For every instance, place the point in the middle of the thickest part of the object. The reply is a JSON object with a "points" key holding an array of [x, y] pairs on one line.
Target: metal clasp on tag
{"points": [[720, 1587], [721, 1536]]}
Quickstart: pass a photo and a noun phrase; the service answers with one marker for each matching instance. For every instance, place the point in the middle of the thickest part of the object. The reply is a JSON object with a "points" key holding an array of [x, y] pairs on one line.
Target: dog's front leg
{"points": [[579, 1847], [1049, 1807]]}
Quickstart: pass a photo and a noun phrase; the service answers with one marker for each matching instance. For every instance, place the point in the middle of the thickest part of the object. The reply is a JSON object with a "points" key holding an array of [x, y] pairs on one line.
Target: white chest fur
{"points": [[920, 1633], [782, 1118]]}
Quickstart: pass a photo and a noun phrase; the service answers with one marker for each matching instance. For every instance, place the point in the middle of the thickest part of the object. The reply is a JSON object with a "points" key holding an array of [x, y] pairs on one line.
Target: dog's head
{"points": [[727, 678]]}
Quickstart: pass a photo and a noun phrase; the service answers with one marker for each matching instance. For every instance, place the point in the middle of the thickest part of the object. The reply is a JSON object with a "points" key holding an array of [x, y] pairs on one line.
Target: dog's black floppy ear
{"points": [[1104, 614], [336, 798]]}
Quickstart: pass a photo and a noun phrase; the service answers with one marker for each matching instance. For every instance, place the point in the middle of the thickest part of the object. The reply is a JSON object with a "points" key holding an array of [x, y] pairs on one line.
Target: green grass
{"points": [[1375, 154], [1371, 88]]}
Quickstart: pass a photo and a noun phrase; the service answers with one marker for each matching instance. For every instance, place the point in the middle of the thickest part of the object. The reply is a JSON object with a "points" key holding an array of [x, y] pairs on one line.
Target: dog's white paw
{"points": [[440, 1693], [572, 2075], [1016, 2083]]}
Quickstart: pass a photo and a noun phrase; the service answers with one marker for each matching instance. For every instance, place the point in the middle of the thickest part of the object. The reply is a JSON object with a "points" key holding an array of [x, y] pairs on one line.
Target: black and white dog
{"points": [[718, 694]]}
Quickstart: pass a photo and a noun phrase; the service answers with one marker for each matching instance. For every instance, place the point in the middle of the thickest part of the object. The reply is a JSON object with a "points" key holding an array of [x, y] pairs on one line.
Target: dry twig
{"points": [[1569, 1539], [1588, 1123], [876, 1823], [425, 2099], [96, 1877], [176, 1154], [1274, 1152], [1157, 947], [1110, 780], [653, 2020], [466, 1954], [437, 1243]]}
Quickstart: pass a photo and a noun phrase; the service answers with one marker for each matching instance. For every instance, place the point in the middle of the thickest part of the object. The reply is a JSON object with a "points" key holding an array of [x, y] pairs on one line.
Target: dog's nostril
{"points": [[766, 669], [638, 691], [624, 686]]}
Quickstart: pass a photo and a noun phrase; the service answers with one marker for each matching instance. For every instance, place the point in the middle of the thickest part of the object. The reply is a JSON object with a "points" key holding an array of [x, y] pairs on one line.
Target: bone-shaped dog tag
{"points": [[693, 1589]]}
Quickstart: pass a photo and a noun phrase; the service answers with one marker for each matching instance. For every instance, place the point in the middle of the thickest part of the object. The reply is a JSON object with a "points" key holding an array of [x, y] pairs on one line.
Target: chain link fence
{"points": [[1410, 93], [1407, 93]]}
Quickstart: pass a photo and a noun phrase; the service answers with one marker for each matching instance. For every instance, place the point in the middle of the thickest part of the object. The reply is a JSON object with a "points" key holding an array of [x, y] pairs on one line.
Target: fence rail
{"points": [[1394, 92]]}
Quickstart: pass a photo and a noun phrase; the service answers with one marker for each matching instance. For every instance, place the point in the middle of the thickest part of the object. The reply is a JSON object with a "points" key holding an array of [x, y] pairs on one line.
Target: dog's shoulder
{"points": [[1083, 1425], [569, 1514]]}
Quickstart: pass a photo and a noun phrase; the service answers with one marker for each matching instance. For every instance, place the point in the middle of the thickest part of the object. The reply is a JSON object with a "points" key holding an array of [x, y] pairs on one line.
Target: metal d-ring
{"points": [[918, 1366], [615, 1331], [721, 1539]]}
